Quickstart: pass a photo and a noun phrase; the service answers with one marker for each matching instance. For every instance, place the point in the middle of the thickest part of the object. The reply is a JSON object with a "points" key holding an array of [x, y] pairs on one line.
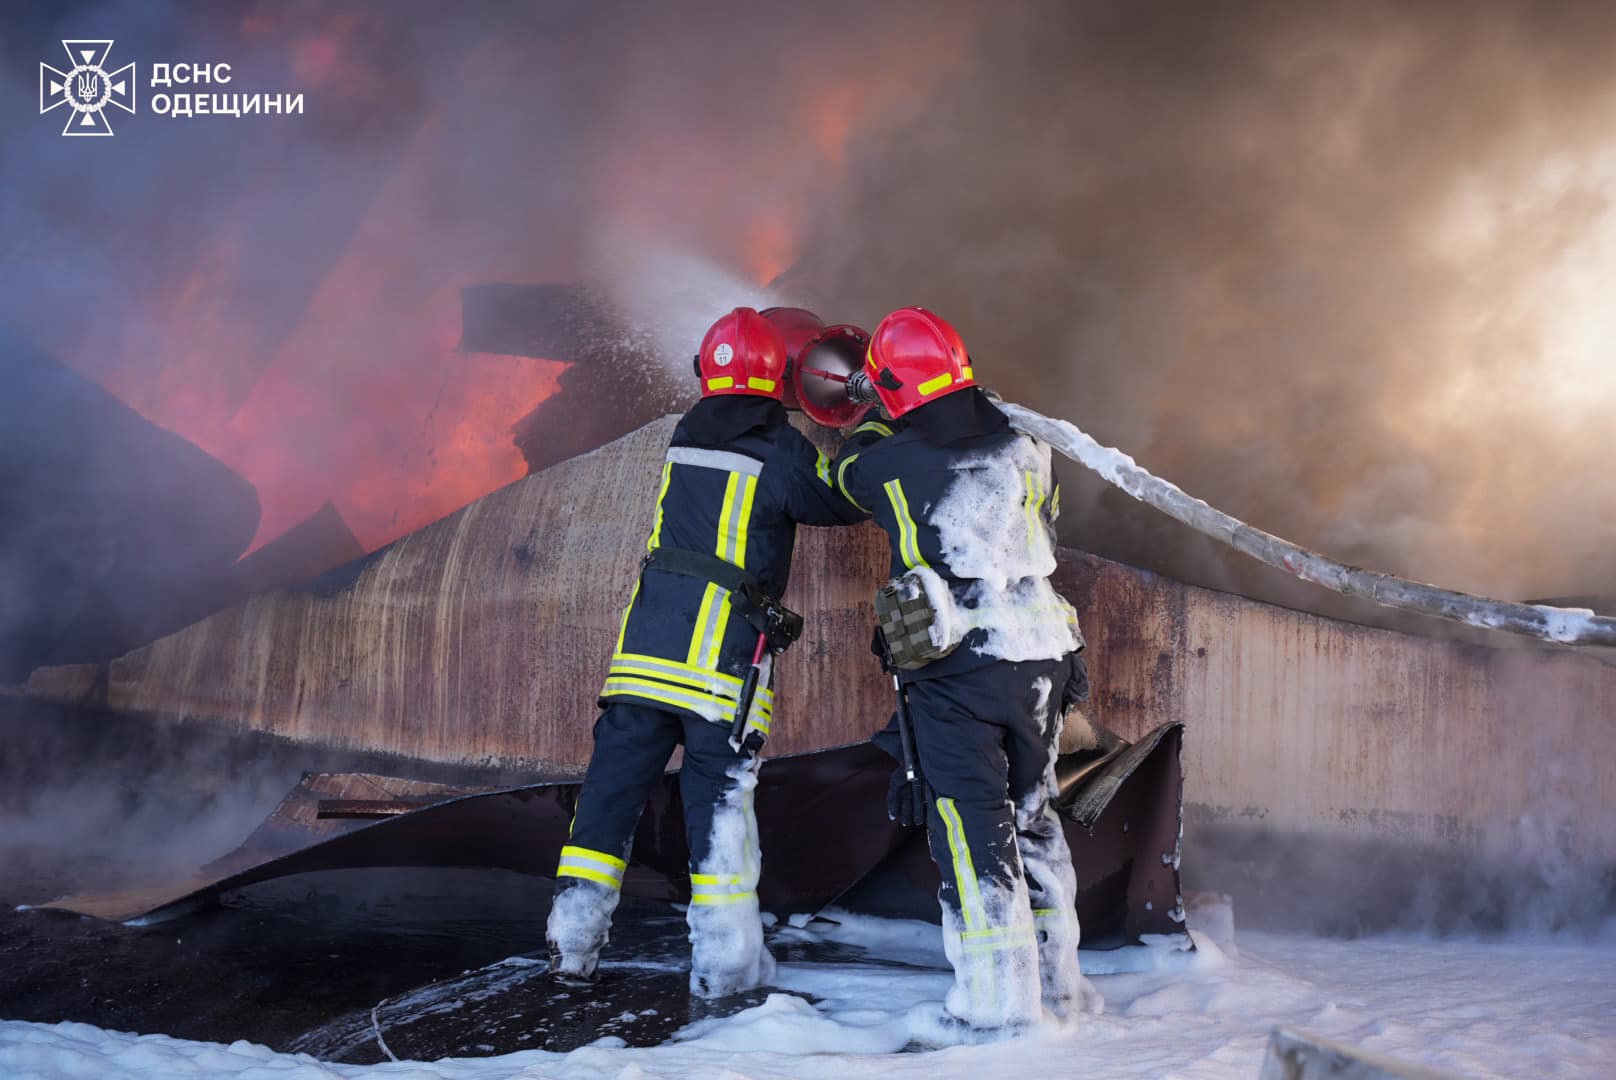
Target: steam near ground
{"points": [[1530, 1009]]}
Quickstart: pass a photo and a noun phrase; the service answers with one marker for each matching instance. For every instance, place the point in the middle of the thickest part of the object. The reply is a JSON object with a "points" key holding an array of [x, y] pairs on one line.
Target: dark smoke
{"points": [[1309, 261], [1300, 258]]}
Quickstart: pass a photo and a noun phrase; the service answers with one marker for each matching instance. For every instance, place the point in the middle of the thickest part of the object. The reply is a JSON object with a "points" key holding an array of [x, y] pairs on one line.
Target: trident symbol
{"points": [[86, 88]]}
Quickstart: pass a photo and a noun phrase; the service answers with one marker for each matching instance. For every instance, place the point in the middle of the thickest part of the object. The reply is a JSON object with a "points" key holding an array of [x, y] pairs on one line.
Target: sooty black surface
{"points": [[443, 962]]}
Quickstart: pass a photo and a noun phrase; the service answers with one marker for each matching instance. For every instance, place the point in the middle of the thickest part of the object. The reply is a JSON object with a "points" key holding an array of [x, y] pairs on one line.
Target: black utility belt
{"points": [[747, 598]]}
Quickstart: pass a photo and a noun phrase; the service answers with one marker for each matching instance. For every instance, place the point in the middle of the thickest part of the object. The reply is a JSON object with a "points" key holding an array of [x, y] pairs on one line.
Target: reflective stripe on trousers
{"points": [[598, 866]]}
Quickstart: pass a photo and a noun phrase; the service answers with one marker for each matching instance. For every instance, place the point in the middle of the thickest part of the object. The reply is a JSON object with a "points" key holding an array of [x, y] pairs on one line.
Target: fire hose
{"points": [[1566, 626], [849, 387]]}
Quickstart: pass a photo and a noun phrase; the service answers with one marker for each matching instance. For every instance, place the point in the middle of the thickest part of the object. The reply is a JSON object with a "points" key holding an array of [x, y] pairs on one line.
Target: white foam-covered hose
{"points": [[1566, 626]]}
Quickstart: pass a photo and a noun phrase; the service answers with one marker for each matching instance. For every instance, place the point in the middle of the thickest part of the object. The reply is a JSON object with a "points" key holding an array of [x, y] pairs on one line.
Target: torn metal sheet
{"points": [[821, 815]]}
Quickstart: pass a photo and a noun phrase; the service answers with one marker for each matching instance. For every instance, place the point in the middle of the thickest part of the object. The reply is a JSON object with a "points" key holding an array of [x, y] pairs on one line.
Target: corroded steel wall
{"points": [[483, 638], [1312, 725]]}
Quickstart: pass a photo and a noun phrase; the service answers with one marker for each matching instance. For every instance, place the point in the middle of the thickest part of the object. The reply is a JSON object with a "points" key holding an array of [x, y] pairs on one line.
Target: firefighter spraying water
{"points": [[693, 662], [986, 656]]}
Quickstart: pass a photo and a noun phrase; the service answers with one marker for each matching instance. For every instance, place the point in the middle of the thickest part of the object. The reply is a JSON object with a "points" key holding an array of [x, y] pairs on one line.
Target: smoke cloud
{"points": [[1343, 270], [1340, 268]]}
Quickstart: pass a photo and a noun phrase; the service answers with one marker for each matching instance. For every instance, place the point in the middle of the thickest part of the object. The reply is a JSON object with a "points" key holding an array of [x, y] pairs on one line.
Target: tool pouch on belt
{"points": [[916, 631]]}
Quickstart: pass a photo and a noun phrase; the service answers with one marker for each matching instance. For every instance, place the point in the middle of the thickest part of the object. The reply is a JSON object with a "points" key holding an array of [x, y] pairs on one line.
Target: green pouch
{"points": [[911, 624]]}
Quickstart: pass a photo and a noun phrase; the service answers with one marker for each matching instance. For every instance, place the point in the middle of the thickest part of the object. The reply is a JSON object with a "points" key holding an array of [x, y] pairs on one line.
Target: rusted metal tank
{"points": [[483, 639]]}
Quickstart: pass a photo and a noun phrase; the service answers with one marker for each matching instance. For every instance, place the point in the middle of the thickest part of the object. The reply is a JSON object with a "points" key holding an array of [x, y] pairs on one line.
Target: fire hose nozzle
{"points": [[861, 389]]}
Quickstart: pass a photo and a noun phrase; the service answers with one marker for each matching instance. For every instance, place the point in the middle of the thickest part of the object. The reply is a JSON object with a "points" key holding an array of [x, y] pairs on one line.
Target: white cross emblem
{"points": [[86, 88]]}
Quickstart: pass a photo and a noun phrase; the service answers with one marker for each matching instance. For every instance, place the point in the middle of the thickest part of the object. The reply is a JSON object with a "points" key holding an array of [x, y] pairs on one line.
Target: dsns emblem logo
{"points": [[86, 88]]}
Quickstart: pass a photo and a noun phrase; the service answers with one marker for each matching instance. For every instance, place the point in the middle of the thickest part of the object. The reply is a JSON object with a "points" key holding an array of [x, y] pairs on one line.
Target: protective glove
{"points": [[906, 802], [1076, 690]]}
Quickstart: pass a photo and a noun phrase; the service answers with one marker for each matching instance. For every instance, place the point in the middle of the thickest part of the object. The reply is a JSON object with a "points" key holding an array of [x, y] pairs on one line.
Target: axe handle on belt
{"points": [[743, 707]]}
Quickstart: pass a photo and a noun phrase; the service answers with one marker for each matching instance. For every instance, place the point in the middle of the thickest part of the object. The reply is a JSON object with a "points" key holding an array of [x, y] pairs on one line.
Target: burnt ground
{"points": [[300, 963], [449, 962], [314, 962]]}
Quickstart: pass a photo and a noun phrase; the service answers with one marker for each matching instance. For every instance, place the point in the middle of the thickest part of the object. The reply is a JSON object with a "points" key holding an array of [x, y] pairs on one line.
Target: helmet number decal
{"points": [[723, 355]]}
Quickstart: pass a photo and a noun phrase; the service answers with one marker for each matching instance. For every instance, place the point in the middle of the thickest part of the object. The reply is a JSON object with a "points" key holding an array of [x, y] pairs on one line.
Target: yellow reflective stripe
{"points": [[873, 425], [1054, 505], [978, 973], [712, 619], [656, 530], [723, 382], [718, 879], [1032, 505], [703, 704], [734, 517], [931, 386], [908, 535], [822, 467], [716, 683], [1020, 937], [765, 385], [622, 631], [591, 865], [722, 888], [720, 624], [663, 694], [713, 899], [726, 537], [704, 617], [589, 874], [1026, 502], [964, 872], [744, 523], [998, 936], [967, 374], [673, 671], [573, 851], [841, 481]]}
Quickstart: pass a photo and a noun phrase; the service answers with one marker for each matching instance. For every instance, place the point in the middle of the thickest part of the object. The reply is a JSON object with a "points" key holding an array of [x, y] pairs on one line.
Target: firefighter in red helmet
{"points": [[987, 656], [694, 659]]}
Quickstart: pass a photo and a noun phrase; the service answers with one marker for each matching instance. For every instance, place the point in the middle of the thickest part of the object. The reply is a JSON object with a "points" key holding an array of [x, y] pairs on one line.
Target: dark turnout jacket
{"points": [[964, 496], [737, 480]]}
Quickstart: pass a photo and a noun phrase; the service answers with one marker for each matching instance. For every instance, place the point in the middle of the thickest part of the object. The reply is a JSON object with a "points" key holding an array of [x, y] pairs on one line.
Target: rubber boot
{"points": [[580, 918]]}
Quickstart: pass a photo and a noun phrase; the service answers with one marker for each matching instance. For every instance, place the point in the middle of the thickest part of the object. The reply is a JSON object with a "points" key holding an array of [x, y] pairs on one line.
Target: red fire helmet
{"points": [[742, 353], [916, 356], [797, 327], [820, 370]]}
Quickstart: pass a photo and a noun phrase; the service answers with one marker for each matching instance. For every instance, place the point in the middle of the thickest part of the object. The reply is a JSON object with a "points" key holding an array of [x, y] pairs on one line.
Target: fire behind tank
{"points": [[481, 640], [1370, 769]]}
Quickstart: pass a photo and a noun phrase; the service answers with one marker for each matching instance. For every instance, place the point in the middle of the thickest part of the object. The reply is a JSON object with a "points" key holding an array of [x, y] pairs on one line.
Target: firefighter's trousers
{"points": [[987, 741], [632, 746]]}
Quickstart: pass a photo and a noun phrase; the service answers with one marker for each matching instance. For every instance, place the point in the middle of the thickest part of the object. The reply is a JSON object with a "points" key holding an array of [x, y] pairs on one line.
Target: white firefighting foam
{"points": [[726, 935], [996, 980], [579, 923], [1047, 861], [991, 529], [1483, 1009]]}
